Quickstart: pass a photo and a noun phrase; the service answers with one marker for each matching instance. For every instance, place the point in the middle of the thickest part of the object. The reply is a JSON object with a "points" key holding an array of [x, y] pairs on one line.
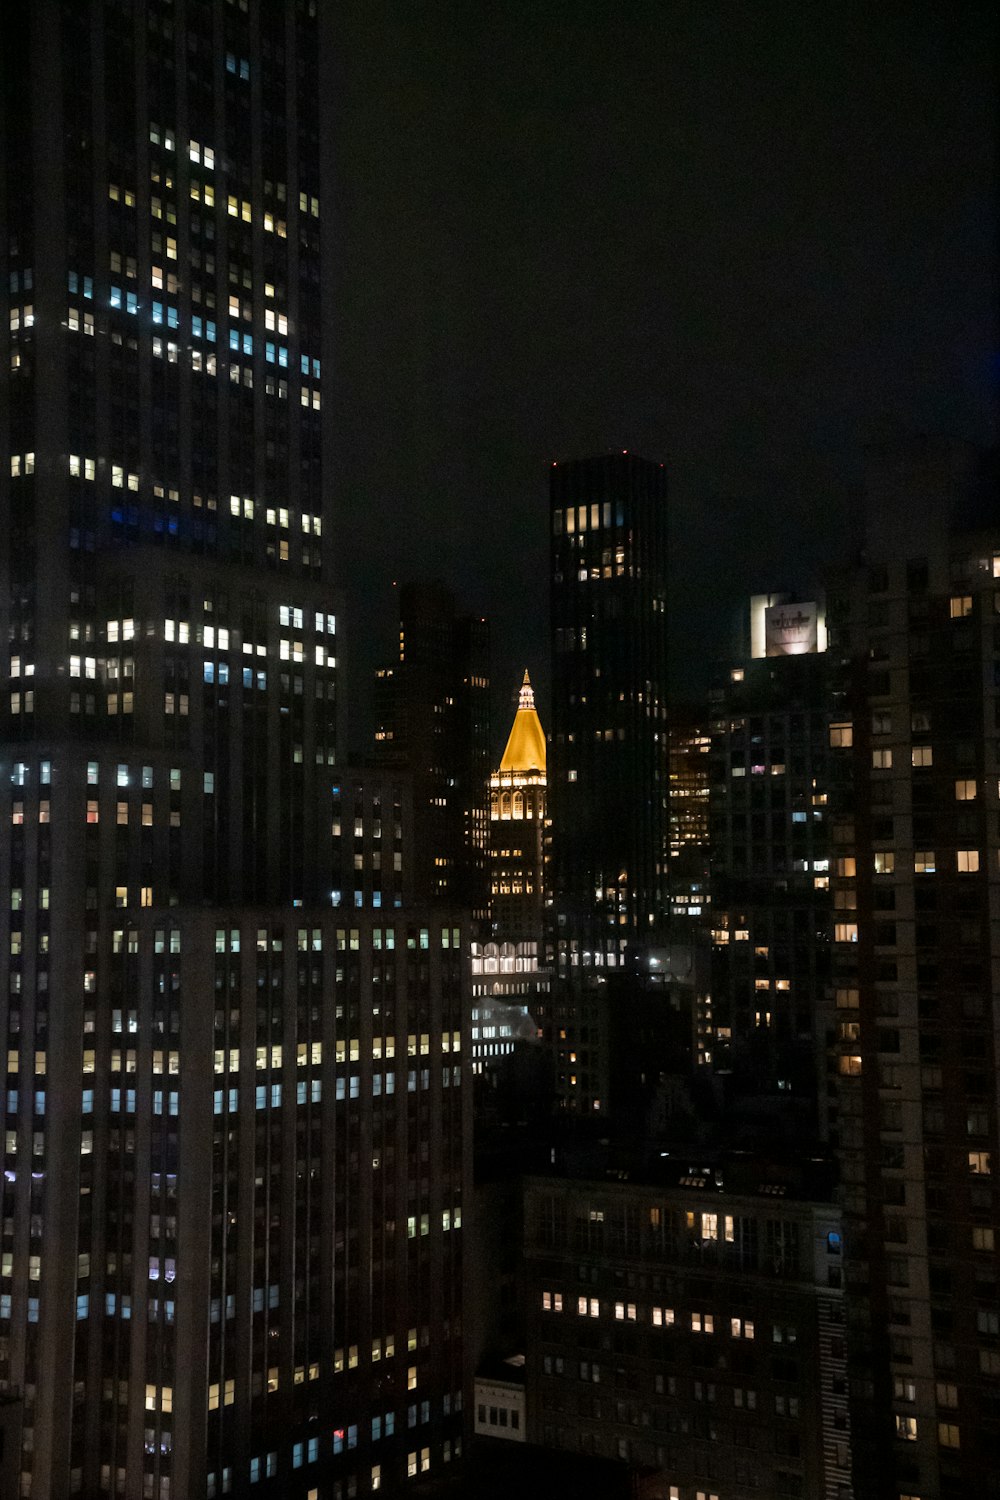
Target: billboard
{"points": [[791, 629]]}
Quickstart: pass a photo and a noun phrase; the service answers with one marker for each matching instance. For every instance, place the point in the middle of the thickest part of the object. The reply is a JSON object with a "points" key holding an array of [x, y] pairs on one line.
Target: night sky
{"points": [[745, 239]]}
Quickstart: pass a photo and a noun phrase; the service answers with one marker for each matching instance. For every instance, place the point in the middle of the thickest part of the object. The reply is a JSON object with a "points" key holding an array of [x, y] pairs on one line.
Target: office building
{"points": [[230, 1260], [608, 767], [508, 969], [770, 861], [915, 858], [690, 1325], [608, 764], [432, 716], [689, 742]]}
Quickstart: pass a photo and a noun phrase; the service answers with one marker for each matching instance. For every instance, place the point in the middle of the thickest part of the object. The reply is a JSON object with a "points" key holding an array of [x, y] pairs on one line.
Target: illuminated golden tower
{"points": [[517, 822]]}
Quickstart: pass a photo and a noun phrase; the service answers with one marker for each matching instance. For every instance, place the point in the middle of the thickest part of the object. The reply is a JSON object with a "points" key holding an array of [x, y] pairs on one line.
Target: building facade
{"points": [[770, 863], [915, 865], [691, 1330], [231, 1200], [608, 763], [433, 717]]}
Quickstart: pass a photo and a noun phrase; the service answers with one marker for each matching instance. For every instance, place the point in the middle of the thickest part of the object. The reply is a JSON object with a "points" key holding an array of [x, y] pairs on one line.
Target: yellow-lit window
{"points": [[960, 605], [967, 861], [922, 755], [924, 861], [841, 736]]}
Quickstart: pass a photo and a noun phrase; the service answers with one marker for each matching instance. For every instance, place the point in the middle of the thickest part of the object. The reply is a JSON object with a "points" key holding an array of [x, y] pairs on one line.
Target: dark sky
{"points": [[742, 238]]}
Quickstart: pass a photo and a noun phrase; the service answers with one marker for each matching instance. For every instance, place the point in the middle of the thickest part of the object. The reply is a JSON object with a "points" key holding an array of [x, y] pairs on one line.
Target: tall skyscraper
{"points": [[508, 966], [915, 853], [432, 707], [608, 761], [228, 1253], [770, 846]]}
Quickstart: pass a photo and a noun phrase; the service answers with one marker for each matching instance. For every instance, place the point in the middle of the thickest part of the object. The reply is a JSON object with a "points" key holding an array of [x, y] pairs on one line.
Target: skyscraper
{"points": [[609, 761], [771, 863], [916, 971], [228, 1254], [508, 965], [432, 706], [609, 758]]}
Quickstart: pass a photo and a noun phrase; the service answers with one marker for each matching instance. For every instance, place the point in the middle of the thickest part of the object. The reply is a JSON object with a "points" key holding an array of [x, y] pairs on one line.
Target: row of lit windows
{"points": [[664, 1317]]}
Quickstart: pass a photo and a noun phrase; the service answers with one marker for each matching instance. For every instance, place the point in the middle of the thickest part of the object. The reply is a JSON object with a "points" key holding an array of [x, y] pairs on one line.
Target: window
{"points": [[882, 760], [702, 1323], [965, 791], [841, 736], [982, 1238], [922, 755], [845, 932], [923, 861], [960, 605], [948, 1435], [741, 1328], [967, 861], [885, 862], [906, 1428], [980, 1163]]}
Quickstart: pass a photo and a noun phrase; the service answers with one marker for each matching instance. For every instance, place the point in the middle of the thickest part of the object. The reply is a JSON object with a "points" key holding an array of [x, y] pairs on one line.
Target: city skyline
{"points": [[742, 244]]}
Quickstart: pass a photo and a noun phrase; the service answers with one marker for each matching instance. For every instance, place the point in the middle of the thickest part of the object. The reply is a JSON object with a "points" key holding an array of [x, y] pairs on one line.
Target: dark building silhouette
{"points": [[915, 852], [231, 1259], [608, 774], [608, 763], [432, 716]]}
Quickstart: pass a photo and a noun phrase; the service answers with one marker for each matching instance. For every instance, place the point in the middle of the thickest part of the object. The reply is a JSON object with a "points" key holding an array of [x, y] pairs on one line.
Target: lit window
{"points": [[922, 755], [965, 791], [885, 862], [906, 1428], [960, 605], [841, 736], [967, 861], [980, 1163], [923, 861], [882, 760], [948, 1435]]}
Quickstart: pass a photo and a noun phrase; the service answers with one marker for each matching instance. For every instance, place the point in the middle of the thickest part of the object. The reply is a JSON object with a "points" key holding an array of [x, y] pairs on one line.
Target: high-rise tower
{"points": [[228, 1254], [609, 760], [915, 855]]}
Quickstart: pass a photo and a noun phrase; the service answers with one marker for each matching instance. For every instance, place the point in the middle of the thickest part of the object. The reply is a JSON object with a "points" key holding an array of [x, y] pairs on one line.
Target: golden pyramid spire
{"points": [[526, 744]]}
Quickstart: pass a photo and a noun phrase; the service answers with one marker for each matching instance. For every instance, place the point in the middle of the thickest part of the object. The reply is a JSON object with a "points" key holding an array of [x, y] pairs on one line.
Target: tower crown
{"points": [[526, 743]]}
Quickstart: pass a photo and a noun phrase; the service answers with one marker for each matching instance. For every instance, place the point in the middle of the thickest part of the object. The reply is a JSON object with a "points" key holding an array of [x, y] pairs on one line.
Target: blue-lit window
{"points": [[283, 356], [83, 1305], [248, 343], [157, 312], [110, 1303], [12, 1101], [40, 1102], [304, 362], [210, 329], [224, 673], [116, 296], [172, 318], [196, 327], [131, 302], [248, 677], [73, 282], [5, 1305], [210, 671], [234, 339], [261, 1096], [269, 352], [298, 1455], [275, 1095]]}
